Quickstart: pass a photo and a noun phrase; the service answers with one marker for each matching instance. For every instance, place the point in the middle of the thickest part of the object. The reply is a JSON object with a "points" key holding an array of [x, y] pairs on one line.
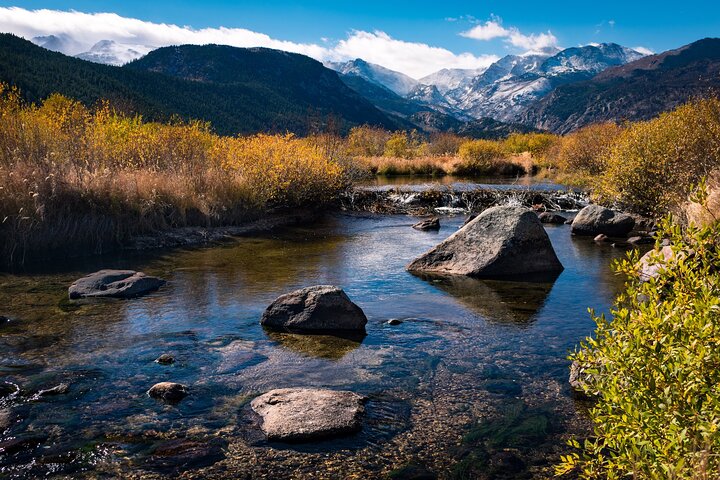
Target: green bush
{"points": [[655, 369]]}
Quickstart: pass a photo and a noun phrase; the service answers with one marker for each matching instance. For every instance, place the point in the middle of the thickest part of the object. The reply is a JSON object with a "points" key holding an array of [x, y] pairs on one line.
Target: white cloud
{"points": [[643, 50], [414, 59], [83, 30], [531, 43], [487, 31]]}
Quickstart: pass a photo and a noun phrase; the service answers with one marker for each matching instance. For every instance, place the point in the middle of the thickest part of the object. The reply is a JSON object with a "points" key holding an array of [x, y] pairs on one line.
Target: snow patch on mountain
{"points": [[395, 81], [113, 53], [451, 78]]}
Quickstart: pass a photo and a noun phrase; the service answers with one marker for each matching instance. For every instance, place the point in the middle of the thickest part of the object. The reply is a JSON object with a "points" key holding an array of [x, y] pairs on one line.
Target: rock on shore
{"points": [[595, 220], [301, 414], [317, 308], [115, 284], [501, 241]]}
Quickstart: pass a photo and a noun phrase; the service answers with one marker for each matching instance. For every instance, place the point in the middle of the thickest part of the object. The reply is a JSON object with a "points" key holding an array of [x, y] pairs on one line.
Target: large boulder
{"points": [[501, 241], [594, 220], [300, 414], [114, 283], [318, 308]]}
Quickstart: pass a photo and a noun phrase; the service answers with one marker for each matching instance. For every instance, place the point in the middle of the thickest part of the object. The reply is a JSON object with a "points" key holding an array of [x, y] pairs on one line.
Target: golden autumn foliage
{"points": [[72, 178], [652, 165]]}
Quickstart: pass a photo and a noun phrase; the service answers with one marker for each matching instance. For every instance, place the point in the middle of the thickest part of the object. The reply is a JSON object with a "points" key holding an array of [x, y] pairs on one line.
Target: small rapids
{"points": [[458, 199]]}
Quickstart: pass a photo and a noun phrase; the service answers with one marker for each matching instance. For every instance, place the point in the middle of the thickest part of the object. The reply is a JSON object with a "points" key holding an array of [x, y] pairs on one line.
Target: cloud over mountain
{"points": [[74, 32], [532, 43]]}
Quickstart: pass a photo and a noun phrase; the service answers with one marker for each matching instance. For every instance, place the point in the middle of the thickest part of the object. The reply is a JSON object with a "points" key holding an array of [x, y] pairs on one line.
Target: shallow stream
{"points": [[471, 384]]}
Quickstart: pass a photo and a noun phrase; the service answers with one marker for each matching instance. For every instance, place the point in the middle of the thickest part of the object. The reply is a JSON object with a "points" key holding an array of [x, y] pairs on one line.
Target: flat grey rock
{"points": [[114, 284], [501, 241], [317, 308], [302, 414], [594, 220]]}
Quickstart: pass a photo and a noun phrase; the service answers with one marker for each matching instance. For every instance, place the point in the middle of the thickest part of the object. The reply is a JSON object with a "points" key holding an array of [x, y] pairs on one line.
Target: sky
{"points": [[413, 37]]}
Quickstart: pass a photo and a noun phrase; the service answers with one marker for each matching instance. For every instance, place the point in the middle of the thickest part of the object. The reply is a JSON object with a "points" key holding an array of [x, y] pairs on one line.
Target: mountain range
{"points": [[262, 89]]}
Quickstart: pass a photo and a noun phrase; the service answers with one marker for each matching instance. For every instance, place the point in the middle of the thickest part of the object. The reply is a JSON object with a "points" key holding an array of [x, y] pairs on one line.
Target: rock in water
{"points": [[299, 414], [114, 283], [318, 308], [168, 392], [500, 242], [552, 218], [429, 224], [165, 359], [594, 220]]}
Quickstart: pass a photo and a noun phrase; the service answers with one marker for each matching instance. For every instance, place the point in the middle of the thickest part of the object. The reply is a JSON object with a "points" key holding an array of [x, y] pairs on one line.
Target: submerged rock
{"points": [[300, 414], [114, 283], [394, 321], [640, 240], [169, 392], [594, 219], [318, 308], [428, 224], [182, 454], [501, 241], [601, 237], [165, 359], [552, 218], [56, 390]]}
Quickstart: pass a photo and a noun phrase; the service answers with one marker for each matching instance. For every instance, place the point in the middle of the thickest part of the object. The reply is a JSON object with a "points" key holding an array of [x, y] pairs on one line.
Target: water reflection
{"points": [[502, 301], [331, 347]]}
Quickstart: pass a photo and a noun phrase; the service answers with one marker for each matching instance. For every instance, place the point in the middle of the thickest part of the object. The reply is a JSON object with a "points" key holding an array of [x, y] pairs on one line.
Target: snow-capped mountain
{"points": [[451, 78], [395, 81], [513, 83], [113, 53], [58, 43], [428, 95]]}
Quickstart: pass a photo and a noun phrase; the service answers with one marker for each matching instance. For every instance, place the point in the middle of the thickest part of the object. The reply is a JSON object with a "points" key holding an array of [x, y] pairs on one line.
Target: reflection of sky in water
{"points": [[207, 316]]}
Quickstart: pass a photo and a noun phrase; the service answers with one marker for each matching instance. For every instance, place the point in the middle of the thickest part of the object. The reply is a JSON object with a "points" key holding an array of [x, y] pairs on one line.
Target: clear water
{"points": [[472, 384]]}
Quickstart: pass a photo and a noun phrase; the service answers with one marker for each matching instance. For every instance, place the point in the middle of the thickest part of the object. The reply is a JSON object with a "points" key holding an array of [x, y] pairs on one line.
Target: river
{"points": [[471, 384]]}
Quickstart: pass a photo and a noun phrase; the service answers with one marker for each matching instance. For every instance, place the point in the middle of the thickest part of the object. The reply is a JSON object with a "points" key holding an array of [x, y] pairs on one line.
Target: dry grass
{"points": [[74, 180]]}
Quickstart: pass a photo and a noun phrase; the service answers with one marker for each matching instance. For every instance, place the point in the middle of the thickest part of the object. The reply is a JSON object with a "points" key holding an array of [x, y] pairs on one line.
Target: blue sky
{"points": [[514, 26]]}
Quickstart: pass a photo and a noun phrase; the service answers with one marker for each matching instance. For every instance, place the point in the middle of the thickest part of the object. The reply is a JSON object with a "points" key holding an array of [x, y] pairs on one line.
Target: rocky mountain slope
{"points": [[637, 90], [514, 83]]}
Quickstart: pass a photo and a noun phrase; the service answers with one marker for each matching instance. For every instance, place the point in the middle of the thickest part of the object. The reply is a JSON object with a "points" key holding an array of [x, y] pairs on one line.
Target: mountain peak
{"points": [[397, 82]]}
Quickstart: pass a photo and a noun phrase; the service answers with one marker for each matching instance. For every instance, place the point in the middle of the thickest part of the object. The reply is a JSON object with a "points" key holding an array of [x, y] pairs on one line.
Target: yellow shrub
{"points": [[584, 152], [653, 164], [366, 141]]}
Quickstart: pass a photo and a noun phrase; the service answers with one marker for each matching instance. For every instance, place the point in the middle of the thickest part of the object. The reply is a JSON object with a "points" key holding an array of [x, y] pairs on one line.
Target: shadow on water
{"points": [[510, 301], [328, 346]]}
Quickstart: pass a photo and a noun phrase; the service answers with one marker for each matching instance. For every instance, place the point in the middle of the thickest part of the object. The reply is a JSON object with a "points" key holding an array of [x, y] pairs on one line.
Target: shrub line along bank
{"points": [[74, 179]]}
